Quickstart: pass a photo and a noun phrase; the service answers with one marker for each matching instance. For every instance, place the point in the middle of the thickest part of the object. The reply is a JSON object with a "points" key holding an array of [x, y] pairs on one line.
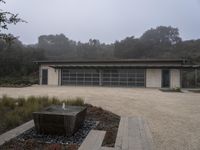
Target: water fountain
{"points": [[59, 119]]}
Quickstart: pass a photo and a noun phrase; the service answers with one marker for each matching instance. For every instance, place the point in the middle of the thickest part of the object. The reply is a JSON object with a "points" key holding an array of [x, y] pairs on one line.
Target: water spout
{"points": [[63, 106]]}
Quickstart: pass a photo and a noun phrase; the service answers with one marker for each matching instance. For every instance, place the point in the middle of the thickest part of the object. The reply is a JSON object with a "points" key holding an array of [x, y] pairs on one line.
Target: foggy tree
{"points": [[162, 35], [154, 43], [57, 46], [127, 48]]}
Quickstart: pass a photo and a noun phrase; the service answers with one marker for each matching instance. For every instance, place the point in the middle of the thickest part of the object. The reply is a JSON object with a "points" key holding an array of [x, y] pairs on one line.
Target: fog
{"points": [[106, 20]]}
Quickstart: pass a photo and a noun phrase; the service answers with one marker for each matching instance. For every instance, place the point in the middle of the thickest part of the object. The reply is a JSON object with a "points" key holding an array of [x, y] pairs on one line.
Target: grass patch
{"points": [[15, 111]]}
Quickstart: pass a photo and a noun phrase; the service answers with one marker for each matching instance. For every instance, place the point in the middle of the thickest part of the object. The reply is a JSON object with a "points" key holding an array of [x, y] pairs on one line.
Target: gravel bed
{"points": [[77, 138]]}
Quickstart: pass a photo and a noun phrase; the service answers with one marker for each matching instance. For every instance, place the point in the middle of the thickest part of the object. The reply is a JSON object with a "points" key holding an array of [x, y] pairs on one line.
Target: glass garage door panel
{"points": [[124, 77], [109, 77], [79, 77]]}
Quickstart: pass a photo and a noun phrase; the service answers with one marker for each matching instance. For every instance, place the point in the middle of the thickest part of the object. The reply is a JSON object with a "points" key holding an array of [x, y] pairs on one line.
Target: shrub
{"points": [[21, 101], [177, 89], [7, 102], [55, 101], [74, 102], [18, 81]]}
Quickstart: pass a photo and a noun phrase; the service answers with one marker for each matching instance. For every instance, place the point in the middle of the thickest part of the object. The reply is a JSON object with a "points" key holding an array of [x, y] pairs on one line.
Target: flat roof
{"points": [[120, 63], [112, 61], [127, 66]]}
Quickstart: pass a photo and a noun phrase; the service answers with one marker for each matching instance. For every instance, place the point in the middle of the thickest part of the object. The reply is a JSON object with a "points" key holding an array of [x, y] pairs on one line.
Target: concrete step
{"points": [[93, 140]]}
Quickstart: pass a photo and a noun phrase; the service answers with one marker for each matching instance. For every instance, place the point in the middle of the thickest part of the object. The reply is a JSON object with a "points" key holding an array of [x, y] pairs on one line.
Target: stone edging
{"points": [[15, 132]]}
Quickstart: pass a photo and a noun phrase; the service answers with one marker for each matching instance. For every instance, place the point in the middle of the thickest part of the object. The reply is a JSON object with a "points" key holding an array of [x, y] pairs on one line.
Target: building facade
{"points": [[123, 73]]}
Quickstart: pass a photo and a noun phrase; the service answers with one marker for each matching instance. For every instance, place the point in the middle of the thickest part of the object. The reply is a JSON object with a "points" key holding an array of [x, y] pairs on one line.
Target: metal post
{"points": [[119, 74], [100, 77], [84, 78], [110, 78], [92, 78], [69, 77], [76, 78], [127, 78], [196, 76]]}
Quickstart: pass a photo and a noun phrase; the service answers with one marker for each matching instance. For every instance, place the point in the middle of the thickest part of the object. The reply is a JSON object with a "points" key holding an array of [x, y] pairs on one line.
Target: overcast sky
{"points": [[106, 20]]}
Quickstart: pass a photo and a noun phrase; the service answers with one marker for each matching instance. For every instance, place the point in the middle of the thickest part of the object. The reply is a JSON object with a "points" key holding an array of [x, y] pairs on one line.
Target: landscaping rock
{"points": [[77, 138]]}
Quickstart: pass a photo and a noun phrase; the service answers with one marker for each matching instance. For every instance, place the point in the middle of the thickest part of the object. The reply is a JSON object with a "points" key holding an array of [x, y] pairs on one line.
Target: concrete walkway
{"points": [[173, 118], [15, 132]]}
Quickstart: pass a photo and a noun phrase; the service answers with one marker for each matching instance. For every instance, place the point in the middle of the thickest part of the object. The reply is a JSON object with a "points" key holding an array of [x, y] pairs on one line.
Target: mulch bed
{"points": [[108, 122]]}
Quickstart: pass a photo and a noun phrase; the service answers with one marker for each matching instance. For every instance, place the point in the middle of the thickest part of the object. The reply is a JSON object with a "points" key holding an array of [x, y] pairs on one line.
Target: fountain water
{"points": [[63, 106]]}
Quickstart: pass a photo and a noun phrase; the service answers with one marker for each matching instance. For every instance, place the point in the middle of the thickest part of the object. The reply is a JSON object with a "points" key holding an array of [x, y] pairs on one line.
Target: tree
{"points": [[162, 36], [127, 48], [7, 18]]}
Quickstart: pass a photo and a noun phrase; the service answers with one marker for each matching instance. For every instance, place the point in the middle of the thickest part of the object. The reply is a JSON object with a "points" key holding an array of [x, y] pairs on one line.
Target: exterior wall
{"points": [[153, 78], [52, 75], [175, 80]]}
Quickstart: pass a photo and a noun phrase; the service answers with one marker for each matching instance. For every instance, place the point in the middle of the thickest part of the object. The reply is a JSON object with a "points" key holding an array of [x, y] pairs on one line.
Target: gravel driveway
{"points": [[174, 118]]}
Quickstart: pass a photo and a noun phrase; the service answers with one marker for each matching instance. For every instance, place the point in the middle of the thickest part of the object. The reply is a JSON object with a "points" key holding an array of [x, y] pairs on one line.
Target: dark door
{"points": [[165, 78], [44, 76]]}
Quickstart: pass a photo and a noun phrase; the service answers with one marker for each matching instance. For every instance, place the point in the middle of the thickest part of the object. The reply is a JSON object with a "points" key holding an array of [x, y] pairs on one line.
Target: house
{"points": [[154, 73]]}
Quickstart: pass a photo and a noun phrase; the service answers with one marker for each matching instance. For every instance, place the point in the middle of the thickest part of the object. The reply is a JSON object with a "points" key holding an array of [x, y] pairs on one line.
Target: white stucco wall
{"points": [[52, 75], [175, 78], [153, 78]]}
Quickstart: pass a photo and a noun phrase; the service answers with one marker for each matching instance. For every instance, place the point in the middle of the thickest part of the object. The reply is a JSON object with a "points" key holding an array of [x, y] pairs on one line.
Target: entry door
{"points": [[165, 78], [44, 76]]}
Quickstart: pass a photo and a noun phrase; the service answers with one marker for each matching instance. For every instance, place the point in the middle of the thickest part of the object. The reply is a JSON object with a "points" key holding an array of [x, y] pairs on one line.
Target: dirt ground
{"points": [[174, 118]]}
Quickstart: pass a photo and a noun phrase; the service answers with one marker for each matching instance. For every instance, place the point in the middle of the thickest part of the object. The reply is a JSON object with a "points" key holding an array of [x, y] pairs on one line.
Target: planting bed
{"points": [[195, 91], [170, 90], [77, 138], [107, 121]]}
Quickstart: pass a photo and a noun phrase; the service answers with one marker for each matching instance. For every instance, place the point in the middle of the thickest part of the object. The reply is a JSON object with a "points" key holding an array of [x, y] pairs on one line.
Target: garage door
{"points": [[104, 77], [124, 77], [79, 77]]}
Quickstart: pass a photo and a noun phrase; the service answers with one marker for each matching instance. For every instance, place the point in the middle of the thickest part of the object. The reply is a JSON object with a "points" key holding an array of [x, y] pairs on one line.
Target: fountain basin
{"points": [[56, 120]]}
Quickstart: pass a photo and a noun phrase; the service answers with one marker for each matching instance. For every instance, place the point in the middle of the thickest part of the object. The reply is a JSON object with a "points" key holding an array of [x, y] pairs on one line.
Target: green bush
{"points": [[20, 81]]}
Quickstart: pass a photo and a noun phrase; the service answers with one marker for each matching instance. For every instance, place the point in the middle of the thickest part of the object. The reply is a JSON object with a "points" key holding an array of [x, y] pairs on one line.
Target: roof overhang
{"points": [[128, 66], [121, 63], [111, 61]]}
